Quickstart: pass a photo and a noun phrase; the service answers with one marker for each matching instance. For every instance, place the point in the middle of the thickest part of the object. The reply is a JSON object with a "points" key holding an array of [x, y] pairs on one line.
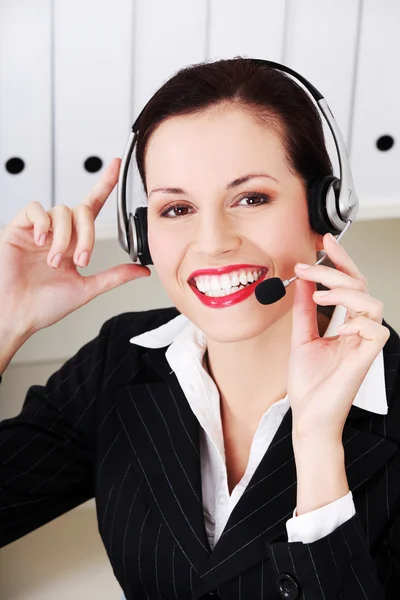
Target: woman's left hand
{"points": [[325, 373]]}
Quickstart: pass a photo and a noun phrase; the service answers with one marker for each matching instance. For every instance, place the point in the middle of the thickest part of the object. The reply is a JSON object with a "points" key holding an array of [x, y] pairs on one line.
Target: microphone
{"points": [[272, 290]]}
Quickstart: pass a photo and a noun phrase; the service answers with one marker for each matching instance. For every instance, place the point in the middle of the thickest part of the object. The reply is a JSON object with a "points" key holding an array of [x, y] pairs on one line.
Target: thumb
{"points": [[304, 314], [111, 278]]}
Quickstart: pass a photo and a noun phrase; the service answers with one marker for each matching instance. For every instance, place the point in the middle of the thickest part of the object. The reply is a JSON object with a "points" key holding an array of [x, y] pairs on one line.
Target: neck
{"points": [[251, 375]]}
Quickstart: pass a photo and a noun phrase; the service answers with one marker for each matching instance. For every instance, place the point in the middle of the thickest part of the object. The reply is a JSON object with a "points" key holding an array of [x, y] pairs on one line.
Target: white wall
{"points": [[65, 559]]}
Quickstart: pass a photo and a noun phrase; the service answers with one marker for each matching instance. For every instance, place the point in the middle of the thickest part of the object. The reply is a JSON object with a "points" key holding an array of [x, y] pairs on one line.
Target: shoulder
{"points": [[121, 358], [109, 359], [129, 324], [106, 362], [391, 358]]}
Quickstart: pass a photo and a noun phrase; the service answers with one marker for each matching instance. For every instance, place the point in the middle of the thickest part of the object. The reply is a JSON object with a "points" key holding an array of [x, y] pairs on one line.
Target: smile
{"points": [[219, 288]]}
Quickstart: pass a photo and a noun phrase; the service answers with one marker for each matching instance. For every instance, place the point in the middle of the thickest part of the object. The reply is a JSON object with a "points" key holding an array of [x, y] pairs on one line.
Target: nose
{"points": [[216, 234]]}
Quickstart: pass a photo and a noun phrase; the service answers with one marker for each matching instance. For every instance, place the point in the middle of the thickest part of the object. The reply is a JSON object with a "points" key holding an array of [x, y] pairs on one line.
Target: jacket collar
{"points": [[185, 339]]}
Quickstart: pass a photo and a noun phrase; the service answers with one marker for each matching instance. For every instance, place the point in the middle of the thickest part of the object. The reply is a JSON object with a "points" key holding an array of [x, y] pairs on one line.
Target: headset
{"points": [[332, 202]]}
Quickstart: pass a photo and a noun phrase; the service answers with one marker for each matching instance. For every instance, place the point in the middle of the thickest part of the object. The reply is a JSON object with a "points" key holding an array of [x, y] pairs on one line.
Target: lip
{"points": [[227, 269], [231, 299]]}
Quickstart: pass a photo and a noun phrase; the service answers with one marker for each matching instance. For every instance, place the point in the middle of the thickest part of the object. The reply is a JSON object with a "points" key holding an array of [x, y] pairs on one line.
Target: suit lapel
{"points": [[163, 436]]}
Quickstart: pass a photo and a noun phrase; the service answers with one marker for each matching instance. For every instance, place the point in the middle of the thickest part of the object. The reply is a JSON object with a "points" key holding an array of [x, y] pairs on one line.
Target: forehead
{"points": [[216, 144]]}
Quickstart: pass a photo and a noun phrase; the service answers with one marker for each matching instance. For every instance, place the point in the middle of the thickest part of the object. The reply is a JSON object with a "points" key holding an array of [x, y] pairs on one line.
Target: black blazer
{"points": [[114, 424]]}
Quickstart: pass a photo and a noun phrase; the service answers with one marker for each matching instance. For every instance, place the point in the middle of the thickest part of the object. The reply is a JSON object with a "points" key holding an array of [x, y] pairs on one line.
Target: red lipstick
{"points": [[226, 269], [230, 299]]}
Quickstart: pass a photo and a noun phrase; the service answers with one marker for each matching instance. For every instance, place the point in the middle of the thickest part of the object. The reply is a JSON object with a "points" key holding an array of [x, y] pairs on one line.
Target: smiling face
{"points": [[233, 203]]}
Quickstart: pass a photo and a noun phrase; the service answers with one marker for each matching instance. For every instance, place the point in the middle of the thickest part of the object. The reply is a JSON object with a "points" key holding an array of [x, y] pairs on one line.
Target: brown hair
{"points": [[269, 94]]}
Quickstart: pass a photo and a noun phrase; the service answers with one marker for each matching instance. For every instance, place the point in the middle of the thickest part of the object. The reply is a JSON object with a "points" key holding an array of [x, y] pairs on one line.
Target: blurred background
{"points": [[74, 74]]}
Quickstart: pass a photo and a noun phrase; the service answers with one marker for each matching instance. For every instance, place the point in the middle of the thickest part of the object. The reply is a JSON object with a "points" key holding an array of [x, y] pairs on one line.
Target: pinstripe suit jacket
{"points": [[114, 424]]}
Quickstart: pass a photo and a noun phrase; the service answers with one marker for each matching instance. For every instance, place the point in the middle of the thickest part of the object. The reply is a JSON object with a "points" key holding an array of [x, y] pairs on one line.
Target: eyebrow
{"points": [[232, 184]]}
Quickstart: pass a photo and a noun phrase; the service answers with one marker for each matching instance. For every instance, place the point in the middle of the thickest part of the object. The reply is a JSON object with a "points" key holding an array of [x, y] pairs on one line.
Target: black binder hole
{"points": [[93, 164], [385, 142], [15, 165]]}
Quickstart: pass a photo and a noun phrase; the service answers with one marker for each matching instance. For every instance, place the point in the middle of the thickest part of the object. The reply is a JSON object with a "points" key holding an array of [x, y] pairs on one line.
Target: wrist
{"points": [[15, 329], [321, 474], [11, 340]]}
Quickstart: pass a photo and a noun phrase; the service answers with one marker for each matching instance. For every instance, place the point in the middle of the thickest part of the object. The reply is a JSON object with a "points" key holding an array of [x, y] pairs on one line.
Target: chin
{"points": [[229, 336], [229, 326]]}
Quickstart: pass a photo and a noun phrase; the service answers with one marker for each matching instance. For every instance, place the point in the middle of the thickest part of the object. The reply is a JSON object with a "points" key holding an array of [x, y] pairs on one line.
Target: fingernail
{"points": [[302, 266], [333, 238], [56, 260], [83, 259], [42, 239], [321, 293]]}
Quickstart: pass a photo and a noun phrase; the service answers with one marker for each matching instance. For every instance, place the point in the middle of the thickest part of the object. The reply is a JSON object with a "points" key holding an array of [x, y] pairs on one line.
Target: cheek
{"points": [[283, 234], [287, 239], [166, 252], [297, 221]]}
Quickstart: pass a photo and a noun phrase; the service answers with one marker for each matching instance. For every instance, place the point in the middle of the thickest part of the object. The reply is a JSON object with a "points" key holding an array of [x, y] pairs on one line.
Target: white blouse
{"points": [[187, 345]]}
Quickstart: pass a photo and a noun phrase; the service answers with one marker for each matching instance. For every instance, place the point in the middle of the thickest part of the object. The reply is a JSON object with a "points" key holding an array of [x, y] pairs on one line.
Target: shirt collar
{"points": [[182, 332]]}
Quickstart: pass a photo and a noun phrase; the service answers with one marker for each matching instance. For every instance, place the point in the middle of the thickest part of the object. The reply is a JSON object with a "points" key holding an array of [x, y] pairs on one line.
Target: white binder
{"points": [[25, 105], [377, 112], [93, 94], [321, 44]]}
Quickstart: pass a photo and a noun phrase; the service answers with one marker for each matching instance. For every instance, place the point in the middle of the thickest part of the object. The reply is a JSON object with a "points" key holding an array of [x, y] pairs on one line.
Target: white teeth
{"points": [[225, 284], [221, 293], [235, 279], [243, 277], [218, 293], [200, 285], [215, 284], [206, 283]]}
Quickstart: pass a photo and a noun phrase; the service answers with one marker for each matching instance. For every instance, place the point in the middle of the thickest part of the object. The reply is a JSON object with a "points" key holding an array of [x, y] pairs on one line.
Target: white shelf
{"points": [[381, 211]]}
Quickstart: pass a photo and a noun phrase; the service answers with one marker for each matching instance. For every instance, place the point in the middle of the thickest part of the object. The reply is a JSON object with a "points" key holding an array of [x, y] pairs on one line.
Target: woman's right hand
{"points": [[39, 254]]}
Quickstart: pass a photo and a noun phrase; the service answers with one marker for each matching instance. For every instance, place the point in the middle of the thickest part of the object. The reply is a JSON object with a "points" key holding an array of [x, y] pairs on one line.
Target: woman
{"points": [[217, 436]]}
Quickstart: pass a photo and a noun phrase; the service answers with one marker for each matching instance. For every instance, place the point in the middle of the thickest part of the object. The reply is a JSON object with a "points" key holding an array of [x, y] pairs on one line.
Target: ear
{"points": [[318, 242]]}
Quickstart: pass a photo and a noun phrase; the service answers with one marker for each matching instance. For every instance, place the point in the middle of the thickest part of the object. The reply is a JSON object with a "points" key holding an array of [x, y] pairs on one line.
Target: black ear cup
{"points": [[317, 202], [138, 241]]}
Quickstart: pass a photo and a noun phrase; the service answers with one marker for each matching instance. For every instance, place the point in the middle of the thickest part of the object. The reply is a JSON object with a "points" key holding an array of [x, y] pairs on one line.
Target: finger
{"points": [[111, 278], [103, 188], [368, 330], [61, 225], [33, 215], [329, 277], [304, 324], [362, 340], [341, 259], [355, 301], [83, 223]]}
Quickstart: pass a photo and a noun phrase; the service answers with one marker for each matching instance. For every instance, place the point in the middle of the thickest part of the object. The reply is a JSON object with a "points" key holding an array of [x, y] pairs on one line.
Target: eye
{"points": [[174, 211], [259, 199], [174, 208]]}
